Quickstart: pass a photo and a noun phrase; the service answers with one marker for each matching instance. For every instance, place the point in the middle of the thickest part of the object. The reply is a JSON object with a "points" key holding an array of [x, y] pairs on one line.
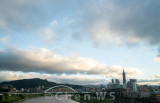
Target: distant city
{"points": [[128, 89]]}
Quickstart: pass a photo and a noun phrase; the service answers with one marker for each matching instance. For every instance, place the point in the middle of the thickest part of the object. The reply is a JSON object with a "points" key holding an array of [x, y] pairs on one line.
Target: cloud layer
{"points": [[109, 21], [44, 61], [63, 78], [149, 82]]}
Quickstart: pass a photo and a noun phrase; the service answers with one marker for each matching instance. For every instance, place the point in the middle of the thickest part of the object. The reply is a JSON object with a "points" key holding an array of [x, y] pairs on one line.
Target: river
{"points": [[59, 99]]}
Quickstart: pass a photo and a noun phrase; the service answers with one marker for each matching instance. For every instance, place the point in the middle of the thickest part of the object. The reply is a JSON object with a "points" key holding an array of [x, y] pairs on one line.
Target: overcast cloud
{"points": [[112, 21]]}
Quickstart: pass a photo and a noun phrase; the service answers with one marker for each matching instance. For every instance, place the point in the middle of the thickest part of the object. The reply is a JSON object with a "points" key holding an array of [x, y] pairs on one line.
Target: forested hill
{"points": [[32, 83]]}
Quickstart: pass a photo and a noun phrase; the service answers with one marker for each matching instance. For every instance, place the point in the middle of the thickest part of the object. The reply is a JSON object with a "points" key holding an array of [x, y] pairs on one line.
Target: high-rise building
{"points": [[112, 81], [134, 84], [124, 77], [117, 83]]}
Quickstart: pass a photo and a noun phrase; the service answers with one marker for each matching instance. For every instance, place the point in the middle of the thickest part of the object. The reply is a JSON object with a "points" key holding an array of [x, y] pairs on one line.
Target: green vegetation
{"points": [[10, 99], [14, 98]]}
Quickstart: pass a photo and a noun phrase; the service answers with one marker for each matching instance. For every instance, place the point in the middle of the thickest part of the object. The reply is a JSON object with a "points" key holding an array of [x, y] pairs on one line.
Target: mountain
{"points": [[32, 83]]}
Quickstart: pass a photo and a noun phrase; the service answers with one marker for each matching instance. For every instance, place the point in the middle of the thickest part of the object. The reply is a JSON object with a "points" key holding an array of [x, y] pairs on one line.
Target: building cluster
{"points": [[91, 89], [127, 89], [11, 89]]}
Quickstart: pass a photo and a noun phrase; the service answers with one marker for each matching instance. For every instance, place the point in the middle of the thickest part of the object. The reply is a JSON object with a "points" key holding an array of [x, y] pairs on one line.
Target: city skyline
{"points": [[80, 42]]}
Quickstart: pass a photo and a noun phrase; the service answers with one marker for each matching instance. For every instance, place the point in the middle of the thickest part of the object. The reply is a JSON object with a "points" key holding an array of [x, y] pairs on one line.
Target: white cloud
{"points": [[78, 79], [62, 78], [10, 75], [43, 60], [53, 23], [48, 34], [157, 76], [5, 39], [157, 59]]}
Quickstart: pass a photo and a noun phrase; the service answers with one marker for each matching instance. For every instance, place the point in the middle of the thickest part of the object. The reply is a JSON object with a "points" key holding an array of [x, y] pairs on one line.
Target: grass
{"points": [[12, 99]]}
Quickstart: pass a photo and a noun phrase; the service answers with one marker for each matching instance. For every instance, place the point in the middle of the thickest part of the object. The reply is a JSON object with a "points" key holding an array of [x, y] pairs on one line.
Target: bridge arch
{"points": [[46, 91]]}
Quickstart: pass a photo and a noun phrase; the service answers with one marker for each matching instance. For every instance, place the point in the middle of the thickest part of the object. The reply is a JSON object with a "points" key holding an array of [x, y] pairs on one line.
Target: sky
{"points": [[80, 41]]}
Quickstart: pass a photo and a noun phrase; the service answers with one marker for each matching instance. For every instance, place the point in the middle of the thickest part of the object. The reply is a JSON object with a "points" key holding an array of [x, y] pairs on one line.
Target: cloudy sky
{"points": [[80, 42]]}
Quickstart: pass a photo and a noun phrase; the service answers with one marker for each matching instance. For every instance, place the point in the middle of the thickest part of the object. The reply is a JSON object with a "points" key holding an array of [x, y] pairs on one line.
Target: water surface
{"points": [[53, 99]]}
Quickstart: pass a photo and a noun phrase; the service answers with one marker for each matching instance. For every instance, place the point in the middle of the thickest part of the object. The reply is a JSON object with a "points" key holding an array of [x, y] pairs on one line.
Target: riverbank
{"points": [[17, 98]]}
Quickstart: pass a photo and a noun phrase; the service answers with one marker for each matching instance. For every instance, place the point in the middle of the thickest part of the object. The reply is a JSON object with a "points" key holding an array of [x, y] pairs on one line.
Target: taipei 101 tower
{"points": [[124, 77]]}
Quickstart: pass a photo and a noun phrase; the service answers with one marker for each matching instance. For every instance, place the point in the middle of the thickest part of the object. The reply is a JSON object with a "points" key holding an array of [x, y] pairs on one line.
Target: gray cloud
{"points": [[152, 81], [29, 15], [44, 61], [111, 21], [123, 21], [149, 82], [20, 15]]}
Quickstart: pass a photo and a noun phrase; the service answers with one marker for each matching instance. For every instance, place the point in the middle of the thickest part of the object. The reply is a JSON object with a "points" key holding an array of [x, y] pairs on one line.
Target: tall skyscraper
{"points": [[124, 77]]}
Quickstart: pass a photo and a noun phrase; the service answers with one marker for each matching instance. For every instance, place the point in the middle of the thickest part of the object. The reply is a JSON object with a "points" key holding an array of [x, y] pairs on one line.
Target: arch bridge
{"points": [[60, 86]]}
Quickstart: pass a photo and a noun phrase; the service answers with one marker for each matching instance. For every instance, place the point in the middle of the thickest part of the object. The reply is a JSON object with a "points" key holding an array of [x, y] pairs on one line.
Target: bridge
{"points": [[60, 86], [156, 91]]}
